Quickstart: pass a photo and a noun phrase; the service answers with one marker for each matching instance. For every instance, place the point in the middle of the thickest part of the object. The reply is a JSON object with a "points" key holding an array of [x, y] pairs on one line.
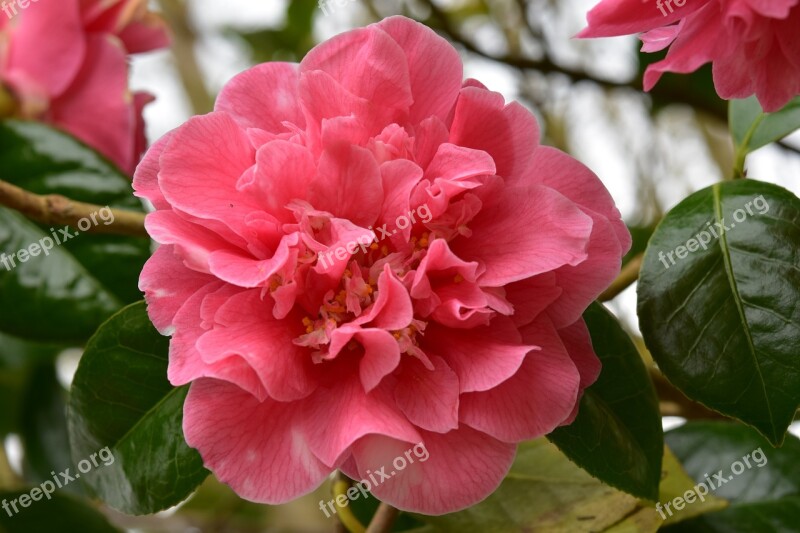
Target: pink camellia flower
{"points": [[65, 63], [752, 44], [362, 254]]}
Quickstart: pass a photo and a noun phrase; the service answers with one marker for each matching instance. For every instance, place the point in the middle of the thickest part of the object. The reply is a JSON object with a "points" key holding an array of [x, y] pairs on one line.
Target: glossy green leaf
{"points": [[544, 491], [723, 323], [60, 513], [121, 398], [764, 496], [752, 128], [66, 294], [617, 435]]}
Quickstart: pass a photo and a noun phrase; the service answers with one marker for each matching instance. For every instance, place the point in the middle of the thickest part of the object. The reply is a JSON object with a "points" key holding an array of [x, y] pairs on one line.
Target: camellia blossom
{"points": [[65, 63], [752, 44], [460, 328]]}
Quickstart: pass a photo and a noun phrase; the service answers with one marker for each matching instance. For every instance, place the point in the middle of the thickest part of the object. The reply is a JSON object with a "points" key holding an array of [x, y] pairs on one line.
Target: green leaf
{"points": [[121, 398], [44, 427], [65, 295], [293, 40], [675, 483], [752, 128], [61, 513], [18, 362], [723, 323], [544, 491], [617, 435], [764, 497]]}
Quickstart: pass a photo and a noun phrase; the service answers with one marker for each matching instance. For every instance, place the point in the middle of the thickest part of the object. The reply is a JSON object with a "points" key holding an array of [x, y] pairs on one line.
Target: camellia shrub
{"points": [[364, 292]]}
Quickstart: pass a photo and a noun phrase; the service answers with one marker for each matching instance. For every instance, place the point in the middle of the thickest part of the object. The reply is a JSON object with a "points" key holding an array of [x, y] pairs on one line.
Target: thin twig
{"points": [[789, 147], [384, 519], [628, 275], [680, 94], [57, 210]]}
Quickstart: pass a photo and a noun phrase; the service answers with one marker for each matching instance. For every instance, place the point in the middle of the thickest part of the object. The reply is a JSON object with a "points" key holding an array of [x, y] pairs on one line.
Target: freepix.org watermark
{"points": [[664, 5], [327, 6], [46, 244], [9, 7], [60, 480], [363, 243], [702, 239], [362, 487], [713, 483]]}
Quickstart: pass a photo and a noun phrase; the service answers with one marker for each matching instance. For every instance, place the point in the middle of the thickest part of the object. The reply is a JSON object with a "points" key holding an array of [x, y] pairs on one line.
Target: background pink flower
{"points": [[462, 330], [752, 44], [66, 64]]}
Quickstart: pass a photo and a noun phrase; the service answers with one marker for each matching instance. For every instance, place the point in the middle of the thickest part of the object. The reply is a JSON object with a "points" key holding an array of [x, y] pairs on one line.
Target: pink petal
{"points": [[264, 97], [429, 398], [695, 46], [145, 180], [338, 416], [623, 17], [535, 400], [578, 343], [97, 108], [257, 448], [510, 251], [244, 326], [532, 296], [52, 62], [450, 471], [199, 177], [559, 171], [185, 361], [368, 63], [283, 173], [435, 69], [167, 284], [348, 184], [508, 133], [481, 358], [144, 35]]}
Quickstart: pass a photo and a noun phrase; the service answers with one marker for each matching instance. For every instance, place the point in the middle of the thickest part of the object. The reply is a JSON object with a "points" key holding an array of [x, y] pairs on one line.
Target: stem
{"points": [[384, 519], [8, 105], [8, 479], [741, 153], [629, 274], [345, 513], [57, 210]]}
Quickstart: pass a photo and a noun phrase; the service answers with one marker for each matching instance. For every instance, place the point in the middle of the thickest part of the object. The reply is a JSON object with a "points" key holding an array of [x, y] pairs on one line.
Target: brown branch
{"points": [[788, 147], [628, 275], [679, 94], [57, 210], [384, 519], [183, 49]]}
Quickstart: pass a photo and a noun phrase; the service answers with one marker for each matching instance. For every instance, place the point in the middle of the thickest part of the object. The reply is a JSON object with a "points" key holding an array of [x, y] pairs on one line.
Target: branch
{"points": [[384, 519], [57, 210], [183, 43], [628, 275], [680, 94], [788, 147]]}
